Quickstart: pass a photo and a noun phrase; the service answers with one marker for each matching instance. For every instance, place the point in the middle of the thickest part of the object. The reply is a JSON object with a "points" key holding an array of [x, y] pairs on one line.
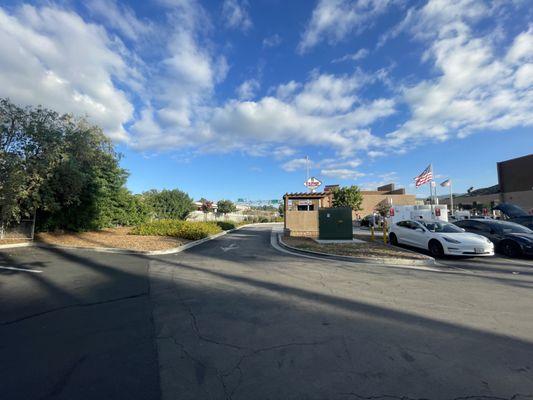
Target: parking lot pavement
{"points": [[80, 329], [237, 320], [497, 264]]}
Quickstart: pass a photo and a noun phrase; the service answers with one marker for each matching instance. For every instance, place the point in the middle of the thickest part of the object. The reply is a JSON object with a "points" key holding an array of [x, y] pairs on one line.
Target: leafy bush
{"points": [[177, 228], [169, 204], [227, 225]]}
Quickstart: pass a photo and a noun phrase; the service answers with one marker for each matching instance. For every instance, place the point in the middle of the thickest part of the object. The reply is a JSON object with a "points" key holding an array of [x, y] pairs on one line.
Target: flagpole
{"points": [[307, 171], [431, 190], [451, 198]]}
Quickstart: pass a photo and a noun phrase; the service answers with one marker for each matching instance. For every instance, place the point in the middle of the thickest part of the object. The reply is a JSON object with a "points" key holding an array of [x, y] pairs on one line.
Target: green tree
{"points": [[226, 206], [169, 204], [86, 187], [348, 196], [63, 168], [383, 208]]}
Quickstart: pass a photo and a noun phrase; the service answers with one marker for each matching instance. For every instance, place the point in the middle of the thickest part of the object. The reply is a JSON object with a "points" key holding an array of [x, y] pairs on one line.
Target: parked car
{"points": [[513, 213], [367, 221], [508, 237], [440, 238]]}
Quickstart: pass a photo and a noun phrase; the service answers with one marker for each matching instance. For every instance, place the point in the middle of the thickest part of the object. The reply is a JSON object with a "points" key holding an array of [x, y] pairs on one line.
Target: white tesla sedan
{"points": [[440, 238]]}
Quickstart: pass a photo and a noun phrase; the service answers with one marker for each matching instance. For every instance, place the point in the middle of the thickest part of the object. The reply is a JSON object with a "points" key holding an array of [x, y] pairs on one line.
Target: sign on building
{"points": [[312, 183]]}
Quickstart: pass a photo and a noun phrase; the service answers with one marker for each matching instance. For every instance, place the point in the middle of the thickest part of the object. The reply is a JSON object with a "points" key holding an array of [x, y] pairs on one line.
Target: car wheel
{"points": [[393, 239], [435, 248], [510, 249]]}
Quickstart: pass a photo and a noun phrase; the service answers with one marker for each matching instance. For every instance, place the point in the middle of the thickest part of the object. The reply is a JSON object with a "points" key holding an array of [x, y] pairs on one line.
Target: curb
{"points": [[15, 245], [361, 260], [172, 250]]}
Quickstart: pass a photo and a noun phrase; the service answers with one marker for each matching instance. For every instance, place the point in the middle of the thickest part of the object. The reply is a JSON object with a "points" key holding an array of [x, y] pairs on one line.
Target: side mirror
{"points": [[463, 229], [420, 229]]}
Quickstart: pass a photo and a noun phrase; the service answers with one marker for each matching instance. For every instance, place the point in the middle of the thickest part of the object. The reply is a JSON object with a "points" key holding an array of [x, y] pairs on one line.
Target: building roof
{"points": [[315, 195]]}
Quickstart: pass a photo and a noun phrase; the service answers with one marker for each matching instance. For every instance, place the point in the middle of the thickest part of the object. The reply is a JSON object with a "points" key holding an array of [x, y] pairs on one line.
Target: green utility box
{"points": [[335, 223]]}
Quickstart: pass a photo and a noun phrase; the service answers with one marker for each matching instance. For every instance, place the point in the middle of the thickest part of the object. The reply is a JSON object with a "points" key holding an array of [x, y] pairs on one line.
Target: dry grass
{"points": [[118, 238], [13, 241], [365, 250]]}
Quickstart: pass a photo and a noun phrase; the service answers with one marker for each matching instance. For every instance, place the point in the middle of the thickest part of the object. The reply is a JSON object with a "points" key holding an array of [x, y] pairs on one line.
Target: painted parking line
{"points": [[21, 269]]}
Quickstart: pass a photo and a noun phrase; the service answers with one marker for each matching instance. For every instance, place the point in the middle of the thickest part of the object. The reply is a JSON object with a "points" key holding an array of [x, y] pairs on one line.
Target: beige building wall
{"points": [[522, 199], [372, 199], [301, 223]]}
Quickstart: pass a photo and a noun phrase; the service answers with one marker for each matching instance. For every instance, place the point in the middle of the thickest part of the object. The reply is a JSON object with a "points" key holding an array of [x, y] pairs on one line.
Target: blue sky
{"points": [[224, 99]]}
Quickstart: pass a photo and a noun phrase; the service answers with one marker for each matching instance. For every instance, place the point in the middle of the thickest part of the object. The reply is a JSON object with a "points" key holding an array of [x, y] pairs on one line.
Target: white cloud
{"points": [[235, 14], [342, 173], [296, 164], [271, 120], [119, 17], [340, 168], [358, 55], [42, 63], [283, 152], [183, 85], [476, 88], [272, 41], [248, 89], [333, 20], [376, 153]]}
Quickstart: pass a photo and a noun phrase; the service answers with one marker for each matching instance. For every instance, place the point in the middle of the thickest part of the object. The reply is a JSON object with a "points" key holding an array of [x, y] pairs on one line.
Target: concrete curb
{"points": [[172, 250], [361, 260], [15, 245]]}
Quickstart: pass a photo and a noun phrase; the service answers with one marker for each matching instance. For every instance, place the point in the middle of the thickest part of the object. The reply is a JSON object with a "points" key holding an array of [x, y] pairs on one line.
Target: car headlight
{"points": [[450, 240]]}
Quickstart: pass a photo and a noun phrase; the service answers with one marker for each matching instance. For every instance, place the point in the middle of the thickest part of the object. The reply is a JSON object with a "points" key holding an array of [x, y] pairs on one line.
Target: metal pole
{"points": [[307, 172], [451, 198], [431, 191], [33, 224]]}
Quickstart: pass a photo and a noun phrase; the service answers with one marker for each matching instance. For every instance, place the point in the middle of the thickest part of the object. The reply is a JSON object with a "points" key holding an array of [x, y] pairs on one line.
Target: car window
{"points": [[403, 224], [515, 228], [463, 224], [480, 226], [414, 225], [441, 227]]}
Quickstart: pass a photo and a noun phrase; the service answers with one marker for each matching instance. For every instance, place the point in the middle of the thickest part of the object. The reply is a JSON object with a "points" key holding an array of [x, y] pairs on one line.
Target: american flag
{"points": [[424, 177]]}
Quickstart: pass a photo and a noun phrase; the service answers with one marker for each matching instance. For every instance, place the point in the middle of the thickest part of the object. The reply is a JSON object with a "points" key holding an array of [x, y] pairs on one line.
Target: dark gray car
{"points": [[509, 238]]}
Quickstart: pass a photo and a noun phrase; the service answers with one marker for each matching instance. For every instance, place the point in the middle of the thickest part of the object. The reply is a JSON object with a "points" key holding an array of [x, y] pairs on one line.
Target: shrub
{"points": [[169, 204], [181, 229], [227, 225]]}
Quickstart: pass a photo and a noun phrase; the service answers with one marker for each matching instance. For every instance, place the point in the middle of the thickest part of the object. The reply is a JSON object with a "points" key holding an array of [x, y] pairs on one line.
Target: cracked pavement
{"points": [[255, 323]]}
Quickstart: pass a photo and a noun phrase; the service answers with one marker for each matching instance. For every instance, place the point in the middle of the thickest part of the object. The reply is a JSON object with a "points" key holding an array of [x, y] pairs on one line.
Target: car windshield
{"points": [[515, 228], [445, 227]]}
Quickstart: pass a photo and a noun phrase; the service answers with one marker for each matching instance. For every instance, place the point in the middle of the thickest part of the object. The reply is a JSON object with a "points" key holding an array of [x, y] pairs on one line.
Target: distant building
{"points": [[515, 185], [301, 209]]}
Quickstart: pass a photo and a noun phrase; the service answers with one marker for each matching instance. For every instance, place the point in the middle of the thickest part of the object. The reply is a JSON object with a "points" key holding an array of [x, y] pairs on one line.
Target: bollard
{"points": [[384, 234], [372, 233]]}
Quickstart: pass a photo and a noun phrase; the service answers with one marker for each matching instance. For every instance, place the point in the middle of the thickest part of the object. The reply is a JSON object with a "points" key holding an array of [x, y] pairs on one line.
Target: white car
{"points": [[440, 238]]}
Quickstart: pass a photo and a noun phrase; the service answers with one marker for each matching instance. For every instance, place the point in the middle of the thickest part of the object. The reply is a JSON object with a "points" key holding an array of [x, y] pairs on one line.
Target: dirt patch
{"points": [[118, 238], [365, 250]]}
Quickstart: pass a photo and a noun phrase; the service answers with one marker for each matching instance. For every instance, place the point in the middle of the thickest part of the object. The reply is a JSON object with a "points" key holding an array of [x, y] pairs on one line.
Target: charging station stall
{"points": [[437, 212]]}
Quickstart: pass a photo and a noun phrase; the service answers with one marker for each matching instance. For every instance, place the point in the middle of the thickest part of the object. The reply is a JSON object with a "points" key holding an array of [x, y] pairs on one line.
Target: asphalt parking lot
{"points": [[80, 328], [234, 318]]}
